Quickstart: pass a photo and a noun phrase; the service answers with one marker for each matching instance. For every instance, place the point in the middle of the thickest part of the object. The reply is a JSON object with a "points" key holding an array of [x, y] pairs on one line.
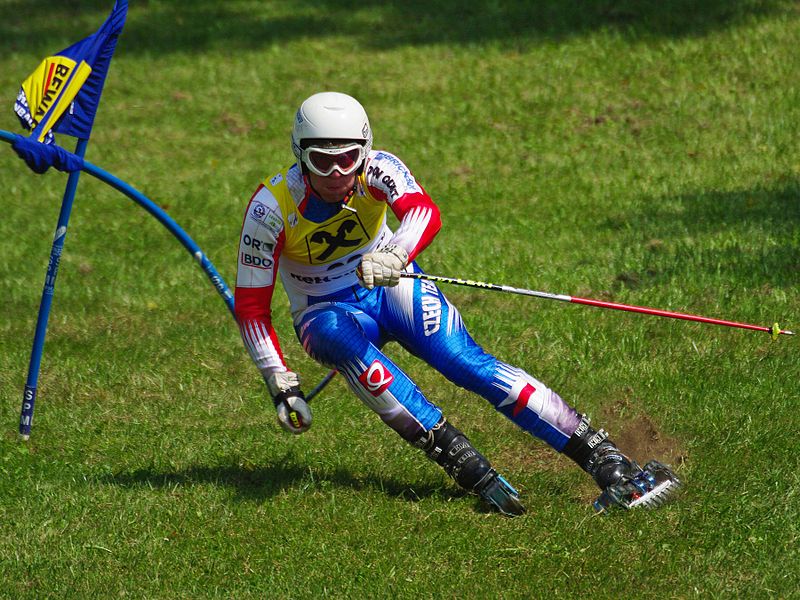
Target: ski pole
{"points": [[323, 382], [774, 330]]}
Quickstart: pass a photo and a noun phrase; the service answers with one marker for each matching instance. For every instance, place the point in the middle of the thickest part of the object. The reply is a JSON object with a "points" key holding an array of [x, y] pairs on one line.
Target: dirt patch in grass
{"points": [[641, 439], [639, 435]]}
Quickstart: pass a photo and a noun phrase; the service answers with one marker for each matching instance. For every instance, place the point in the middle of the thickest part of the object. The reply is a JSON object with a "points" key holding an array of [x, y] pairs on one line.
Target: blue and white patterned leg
{"points": [[335, 335]]}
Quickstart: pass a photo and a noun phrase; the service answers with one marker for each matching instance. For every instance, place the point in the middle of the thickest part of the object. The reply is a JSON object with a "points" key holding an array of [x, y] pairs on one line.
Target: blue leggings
{"points": [[347, 331]]}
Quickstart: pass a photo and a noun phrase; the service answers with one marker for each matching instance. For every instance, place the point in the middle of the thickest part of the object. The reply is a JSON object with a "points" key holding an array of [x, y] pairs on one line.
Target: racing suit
{"points": [[316, 248]]}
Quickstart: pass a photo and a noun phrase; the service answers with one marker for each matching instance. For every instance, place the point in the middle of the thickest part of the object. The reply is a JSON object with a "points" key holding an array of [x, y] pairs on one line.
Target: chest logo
{"points": [[335, 239]]}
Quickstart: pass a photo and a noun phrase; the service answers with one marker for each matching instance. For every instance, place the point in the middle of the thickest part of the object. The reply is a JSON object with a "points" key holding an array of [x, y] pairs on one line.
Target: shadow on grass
{"points": [[752, 232], [197, 25], [260, 483]]}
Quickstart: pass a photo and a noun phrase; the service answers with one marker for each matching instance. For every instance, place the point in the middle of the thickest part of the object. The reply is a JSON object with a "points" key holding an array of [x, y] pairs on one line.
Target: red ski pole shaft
{"points": [[774, 330]]}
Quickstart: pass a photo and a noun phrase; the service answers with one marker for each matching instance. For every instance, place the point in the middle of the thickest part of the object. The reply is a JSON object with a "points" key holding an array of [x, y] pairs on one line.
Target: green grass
{"points": [[644, 153]]}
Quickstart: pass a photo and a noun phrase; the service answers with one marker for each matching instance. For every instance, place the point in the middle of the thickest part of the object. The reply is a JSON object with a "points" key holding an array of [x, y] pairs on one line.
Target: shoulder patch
{"points": [[266, 217], [276, 179]]}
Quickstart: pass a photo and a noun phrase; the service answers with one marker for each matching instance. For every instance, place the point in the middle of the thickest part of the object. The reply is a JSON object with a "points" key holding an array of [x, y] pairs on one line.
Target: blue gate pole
{"points": [[29, 396]]}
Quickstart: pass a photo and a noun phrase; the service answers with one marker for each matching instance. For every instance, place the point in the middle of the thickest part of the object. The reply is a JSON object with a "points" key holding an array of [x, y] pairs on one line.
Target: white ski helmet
{"points": [[330, 116]]}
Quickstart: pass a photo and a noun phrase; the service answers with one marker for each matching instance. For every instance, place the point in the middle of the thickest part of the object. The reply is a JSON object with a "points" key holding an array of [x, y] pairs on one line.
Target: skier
{"points": [[321, 225]]}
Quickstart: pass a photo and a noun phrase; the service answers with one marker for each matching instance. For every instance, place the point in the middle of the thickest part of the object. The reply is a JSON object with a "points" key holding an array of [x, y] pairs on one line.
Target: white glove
{"points": [[294, 414], [383, 267]]}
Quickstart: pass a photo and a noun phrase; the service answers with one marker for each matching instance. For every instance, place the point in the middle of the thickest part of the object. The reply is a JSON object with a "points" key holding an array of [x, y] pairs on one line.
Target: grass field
{"points": [[644, 153]]}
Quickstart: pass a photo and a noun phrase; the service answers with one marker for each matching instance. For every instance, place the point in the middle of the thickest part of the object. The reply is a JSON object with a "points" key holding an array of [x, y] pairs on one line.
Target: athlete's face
{"points": [[334, 187]]}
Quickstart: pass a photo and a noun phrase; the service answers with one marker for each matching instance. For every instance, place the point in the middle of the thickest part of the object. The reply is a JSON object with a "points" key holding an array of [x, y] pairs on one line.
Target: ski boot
{"points": [[624, 483], [447, 446]]}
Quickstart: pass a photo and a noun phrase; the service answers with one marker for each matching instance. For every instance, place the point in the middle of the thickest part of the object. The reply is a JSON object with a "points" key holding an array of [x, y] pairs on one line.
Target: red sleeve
{"points": [[254, 315], [259, 250], [390, 180], [420, 221]]}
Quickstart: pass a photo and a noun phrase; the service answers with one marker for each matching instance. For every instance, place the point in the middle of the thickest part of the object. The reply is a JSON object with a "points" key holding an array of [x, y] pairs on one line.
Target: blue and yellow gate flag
{"points": [[62, 94]]}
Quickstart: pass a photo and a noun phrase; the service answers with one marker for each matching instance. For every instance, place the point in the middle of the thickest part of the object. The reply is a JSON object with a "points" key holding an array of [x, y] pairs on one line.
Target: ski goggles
{"points": [[324, 161]]}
